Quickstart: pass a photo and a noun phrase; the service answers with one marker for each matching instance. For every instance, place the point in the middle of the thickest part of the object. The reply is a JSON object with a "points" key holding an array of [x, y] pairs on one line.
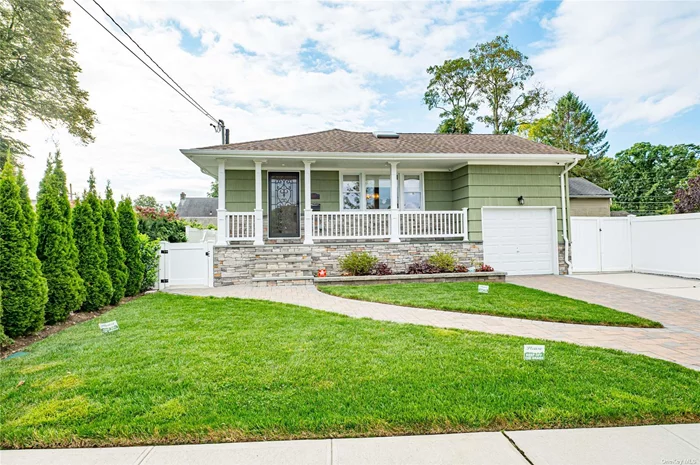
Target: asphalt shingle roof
{"points": [[580, 187], [337, 140], [197, 207]]}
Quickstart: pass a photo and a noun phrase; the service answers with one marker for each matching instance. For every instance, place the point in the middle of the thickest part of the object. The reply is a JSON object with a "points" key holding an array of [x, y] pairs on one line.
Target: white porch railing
{"points": [[239, 226], [368, 224], [429, 224], [351, 224]]}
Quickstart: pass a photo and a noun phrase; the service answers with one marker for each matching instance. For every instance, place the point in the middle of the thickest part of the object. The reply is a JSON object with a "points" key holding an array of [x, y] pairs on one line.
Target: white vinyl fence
{"points": [[667, 244]]}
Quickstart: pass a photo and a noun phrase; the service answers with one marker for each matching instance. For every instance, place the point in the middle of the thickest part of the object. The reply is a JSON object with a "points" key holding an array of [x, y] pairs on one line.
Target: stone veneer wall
{"points": [[234, 264]]}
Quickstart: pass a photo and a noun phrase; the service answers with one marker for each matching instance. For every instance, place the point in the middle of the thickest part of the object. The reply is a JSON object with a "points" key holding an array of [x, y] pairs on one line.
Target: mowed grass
{"points": [[187, 369], [503, 299]]}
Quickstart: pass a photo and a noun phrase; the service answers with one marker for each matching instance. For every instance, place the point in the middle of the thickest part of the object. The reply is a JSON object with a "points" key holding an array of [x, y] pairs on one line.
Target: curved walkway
{"points": [[678, 342]]}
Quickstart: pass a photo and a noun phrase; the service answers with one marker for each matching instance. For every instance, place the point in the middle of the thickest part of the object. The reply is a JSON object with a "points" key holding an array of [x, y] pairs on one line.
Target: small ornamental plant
{"points": [[358, 263], [443, 261]]}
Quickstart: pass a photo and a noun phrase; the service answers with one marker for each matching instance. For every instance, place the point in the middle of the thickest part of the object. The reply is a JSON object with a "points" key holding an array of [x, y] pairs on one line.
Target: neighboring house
{"points": [[307, 200], [199, 209], [588, 199]]}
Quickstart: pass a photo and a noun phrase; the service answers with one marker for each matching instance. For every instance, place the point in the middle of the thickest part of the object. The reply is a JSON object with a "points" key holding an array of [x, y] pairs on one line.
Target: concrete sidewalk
{"points": [[637, 445]]}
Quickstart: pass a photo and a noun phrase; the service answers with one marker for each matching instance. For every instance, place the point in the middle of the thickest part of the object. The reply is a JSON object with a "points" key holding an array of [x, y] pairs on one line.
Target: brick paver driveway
{"points": [[678, 342]]}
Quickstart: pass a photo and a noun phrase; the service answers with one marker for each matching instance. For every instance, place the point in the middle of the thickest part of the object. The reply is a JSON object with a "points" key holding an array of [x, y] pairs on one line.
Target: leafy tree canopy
{"points": [[146, 201], [501, 73], [647, 176], [687, 200], [38, 72], [452, 90], [214, 189]]}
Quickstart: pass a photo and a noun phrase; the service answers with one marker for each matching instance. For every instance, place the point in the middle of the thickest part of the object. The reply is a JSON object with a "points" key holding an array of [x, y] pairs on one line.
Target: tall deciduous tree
{"points": [[24, 288], [453, 91], [129, 235], [572, 126], [92, 266], [116, 267], [146, 201], [647, 176], [55, 250], [687, 199], [501, 76], [38, 72]]}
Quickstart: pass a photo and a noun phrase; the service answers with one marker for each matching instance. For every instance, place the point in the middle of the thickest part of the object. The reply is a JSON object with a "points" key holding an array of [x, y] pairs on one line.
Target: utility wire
{"points": [[154, 61], [191, 102]]}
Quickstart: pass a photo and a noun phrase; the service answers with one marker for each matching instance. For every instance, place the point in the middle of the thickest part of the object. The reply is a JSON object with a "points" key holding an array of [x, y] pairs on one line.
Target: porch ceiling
{"points": [[208, 160]]}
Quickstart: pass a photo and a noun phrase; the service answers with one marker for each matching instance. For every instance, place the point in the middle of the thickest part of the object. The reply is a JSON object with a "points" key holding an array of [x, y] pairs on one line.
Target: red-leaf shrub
{"points": [[688, 200]]}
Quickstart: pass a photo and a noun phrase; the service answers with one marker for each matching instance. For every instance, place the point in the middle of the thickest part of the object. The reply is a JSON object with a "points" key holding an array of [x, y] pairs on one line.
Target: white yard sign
{"points": [[533, 352], [483, 289], [109, 327]]}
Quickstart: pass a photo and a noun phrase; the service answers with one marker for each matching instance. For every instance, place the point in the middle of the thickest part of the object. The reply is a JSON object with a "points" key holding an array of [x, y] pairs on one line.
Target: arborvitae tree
{"points": [[24, 289], [55, 245], [32, 241], [116, 266], [129, 235], [65, 201], [93, 199], [97, 284], [3, 339]]}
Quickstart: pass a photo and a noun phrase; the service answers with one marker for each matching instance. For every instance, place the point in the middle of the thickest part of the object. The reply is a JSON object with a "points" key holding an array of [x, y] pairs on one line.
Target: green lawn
{"points": [[502, 299], [187, 369]]}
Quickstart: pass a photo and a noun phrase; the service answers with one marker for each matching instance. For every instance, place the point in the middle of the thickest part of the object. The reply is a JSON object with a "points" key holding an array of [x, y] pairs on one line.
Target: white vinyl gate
{"points": [[186, 264], [600, 244]]}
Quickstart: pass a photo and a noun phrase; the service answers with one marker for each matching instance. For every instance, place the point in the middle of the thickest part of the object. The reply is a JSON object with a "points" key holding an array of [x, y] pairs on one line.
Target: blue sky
{"points": [[275, 69]]}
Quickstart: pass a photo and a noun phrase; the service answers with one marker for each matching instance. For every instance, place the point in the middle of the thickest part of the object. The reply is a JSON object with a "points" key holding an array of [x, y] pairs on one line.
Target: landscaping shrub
{"points": [[24, 288], [461, 268], [358, 263], [443, 261], [381, 269], [4, 340], [161, 225], [148, 250], [485, 268], [129, 235], [116, 266], [91, 263], [423, 267], [66, 291]]}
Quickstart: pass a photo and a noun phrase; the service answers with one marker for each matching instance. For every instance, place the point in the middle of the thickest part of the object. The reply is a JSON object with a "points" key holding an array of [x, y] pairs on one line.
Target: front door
{"points": [[283, 206]]}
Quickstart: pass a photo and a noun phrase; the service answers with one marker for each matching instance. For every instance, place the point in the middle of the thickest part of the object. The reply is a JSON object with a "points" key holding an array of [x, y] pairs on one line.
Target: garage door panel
{"points": [[519, 240]]}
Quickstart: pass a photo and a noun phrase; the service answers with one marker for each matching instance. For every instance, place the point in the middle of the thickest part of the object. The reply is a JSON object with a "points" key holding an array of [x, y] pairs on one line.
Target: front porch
{"points": [[371, 210]]}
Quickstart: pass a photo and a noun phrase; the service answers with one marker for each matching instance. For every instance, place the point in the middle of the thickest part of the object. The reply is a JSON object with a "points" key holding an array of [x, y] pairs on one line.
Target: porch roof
{"points": [[338, 149]]}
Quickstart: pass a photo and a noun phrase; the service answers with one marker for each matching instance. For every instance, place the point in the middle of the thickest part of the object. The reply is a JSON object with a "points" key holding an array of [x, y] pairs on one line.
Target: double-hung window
{"points": [[369, 191]]}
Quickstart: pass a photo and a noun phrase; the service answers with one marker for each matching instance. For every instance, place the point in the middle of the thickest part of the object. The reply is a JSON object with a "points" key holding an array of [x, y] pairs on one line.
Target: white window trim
{"points": [[401, 191], [363, 187]]}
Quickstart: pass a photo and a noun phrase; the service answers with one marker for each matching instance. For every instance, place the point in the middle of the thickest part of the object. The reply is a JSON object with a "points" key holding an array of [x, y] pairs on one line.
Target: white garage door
{"points": [[520, 240]]}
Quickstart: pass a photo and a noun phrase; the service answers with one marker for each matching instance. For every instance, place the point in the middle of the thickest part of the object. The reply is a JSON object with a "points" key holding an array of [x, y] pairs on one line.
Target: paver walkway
{"points": [[637, 445], [678, 342]]}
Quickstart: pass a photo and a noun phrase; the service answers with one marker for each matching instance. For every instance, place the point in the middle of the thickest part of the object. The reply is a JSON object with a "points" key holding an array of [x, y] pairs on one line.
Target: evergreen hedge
{"points": [[116, 267], [55, 249], [99, 251], [24, 288], [91, 264], [64, 202], [129, 235]]}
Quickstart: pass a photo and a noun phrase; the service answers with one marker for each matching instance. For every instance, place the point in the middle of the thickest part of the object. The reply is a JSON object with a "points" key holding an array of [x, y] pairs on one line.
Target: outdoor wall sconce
{"points": [[521, 200]]}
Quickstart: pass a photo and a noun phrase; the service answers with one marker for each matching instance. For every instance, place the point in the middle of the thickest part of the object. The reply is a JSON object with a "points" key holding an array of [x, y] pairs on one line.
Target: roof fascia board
{"points": [[386, 156]]}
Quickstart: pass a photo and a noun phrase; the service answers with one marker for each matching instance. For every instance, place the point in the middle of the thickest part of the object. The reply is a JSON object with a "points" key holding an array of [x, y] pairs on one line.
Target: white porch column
{"points": [[308, 220], [465, 223], [258, 204], [221, 208], [394, 203]]}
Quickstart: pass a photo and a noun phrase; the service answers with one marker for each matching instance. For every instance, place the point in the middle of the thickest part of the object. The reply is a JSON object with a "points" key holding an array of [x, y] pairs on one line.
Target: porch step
{"points": [[303, 259], [283, 281]]}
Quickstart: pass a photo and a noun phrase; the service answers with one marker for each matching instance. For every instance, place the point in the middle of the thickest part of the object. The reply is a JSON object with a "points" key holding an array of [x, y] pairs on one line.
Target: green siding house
{"points": [[502, 196]]}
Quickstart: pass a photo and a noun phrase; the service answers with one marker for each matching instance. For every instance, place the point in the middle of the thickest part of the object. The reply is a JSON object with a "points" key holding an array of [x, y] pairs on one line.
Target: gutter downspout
{"points": [[565, 221]]}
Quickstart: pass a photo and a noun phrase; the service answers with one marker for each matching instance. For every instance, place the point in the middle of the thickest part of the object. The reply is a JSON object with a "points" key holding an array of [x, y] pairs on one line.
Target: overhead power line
{"points": [[180, 91]]}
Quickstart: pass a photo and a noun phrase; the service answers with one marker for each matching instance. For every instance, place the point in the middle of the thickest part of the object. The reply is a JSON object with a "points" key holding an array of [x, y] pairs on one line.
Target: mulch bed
{"points": [[73, 319]]}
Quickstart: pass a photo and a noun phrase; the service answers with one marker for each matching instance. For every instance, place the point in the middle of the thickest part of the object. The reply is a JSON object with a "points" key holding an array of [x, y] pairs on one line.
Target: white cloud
{"points": [[638, 61], [248, 71]]}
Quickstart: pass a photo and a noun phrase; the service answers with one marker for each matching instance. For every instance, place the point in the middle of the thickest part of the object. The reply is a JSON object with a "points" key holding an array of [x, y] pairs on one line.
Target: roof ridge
{"points": [[275, 138]]}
